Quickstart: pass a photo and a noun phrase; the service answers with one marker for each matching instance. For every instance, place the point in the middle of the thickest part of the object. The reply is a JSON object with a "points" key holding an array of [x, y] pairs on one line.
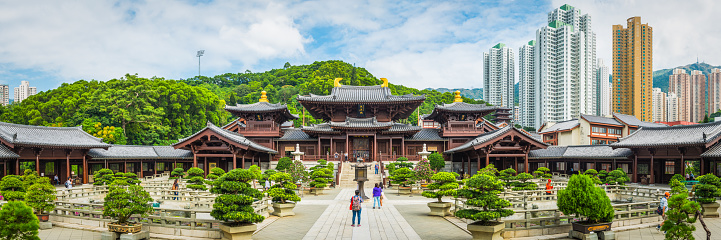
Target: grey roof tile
{"points": [[323, 127], [361, 94], [235, 137], [361, 123], [550, 152], [50, 137], [400, 127], [603, 120], [714, 151], [488, 136], [679, 135], [6, 153], [466, 107], [580, 152], [140, 152], [169, 152], [426, 134], [562, 126], [296, 135], [633, 121], [261, 107]]}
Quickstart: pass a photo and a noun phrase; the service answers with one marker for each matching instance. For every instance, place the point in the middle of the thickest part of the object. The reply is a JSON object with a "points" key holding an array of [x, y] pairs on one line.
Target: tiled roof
{"points": [[602, 120], [261, 107], [361, 123], [6, 153], [633, 121], [400, 127], [674, 136], [465, 107], [426, 134], [323, 127], [232, 136], [714, 151], [296, 135], [140, 152], [287, 124], [561, 126], [49, 137], [580, 152], [487, 137], [361, 94]]}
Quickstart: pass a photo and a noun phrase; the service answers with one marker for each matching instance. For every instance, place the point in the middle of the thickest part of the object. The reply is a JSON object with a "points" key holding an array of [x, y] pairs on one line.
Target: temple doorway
{"points": [[361, 148]]}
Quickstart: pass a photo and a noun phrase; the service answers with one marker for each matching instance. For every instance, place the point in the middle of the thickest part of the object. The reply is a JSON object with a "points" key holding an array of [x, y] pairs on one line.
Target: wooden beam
{"points": [[507, 155]]}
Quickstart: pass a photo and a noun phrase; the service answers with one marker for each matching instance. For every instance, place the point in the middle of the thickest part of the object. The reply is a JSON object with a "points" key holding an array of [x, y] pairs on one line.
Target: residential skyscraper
{"points": [[529, 90], [714, 91], [672, 107], [679, 82], [565, 65], [4, 94], [603, 107], [632, 69], [498, 76], [698, 96], [516, 114], [659, 105], [24, 91]]}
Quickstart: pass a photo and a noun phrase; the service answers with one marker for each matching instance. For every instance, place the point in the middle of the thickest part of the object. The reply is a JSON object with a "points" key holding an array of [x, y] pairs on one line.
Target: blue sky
{"points": [[415, 43]]}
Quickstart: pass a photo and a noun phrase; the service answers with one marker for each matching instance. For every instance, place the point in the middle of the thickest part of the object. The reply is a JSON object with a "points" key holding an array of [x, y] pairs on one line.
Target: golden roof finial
{"points": [[263, 97], [385, 82], [336, 82], [458, 97]]}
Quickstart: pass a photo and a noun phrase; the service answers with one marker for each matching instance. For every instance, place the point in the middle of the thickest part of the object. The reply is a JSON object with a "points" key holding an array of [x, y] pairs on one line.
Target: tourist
{"points": [[376, 169], [336, 155], [664, 207], [69, 184], [355, 206], [267, 184], [377, 195], [175, 188], [548, 188], [346, 157], [56, 180]]}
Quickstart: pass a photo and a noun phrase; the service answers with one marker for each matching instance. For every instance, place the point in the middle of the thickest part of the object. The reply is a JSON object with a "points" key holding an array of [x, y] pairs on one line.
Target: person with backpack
{"points": [[355, 206], [662, 208], [377, 195], [175, 188], [376, 169], [69, 183]]}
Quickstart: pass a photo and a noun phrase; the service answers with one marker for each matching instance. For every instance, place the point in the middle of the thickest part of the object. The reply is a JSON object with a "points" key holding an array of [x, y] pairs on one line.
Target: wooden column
{"points": [[320, 153], [86, 170], [67, 162], [487, 160], [469, 164], [155, 168], [635, 167], [653, 178], [37, 161], [525, 162], [17, 166], [390, 151], [682, 151], [205, 164], [403, 146], [703, 168], [125, 166], [346, 146], [242, 164], [375, 147], [235, 157], [515, 163], [478, 162], [195, 161], [5, 167]]}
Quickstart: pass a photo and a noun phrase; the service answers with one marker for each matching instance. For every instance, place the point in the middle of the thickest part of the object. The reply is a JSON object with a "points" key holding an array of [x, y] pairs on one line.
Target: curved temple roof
{"points": [[232, 136], [48, 137], [361, 94], [675, 136], [485, 137], [140, 152]]}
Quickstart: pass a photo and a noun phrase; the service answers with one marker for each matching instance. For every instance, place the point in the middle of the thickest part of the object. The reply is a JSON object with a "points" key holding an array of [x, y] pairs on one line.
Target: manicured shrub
{"points": [[321, 177], [40, 196], [234, 204], [283, 164], [681, 216], [437, 162], [125, 200], [488, 170], [678, 177], [177, 173], [617, 176], [17, 221], [444, 184], [29, 178], [196, 179], [542, 173], [423, 170], [603, 176], [218, 171], [131, 178], [283, 190], [402, 162], [103, 177], [403, 177], [482, 192], [677, 187], [583, 197], [522, 183], [593, 174], [507, 175], [13, 188], [708, 189]]}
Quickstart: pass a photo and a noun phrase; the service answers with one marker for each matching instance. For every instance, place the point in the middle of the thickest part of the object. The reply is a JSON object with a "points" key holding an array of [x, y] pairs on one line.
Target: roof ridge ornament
{"points": [[263, 97], [336, 82], [385, 82], [458, 97]]}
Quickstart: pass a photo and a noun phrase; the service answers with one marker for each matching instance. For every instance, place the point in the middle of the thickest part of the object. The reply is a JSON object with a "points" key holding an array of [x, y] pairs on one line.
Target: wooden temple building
{"points": [[366, 123]]}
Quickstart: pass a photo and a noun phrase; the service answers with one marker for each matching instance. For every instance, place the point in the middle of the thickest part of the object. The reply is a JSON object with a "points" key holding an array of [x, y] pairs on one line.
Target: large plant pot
{"points": [[587, 228], [404, 190], [283, 209], [128, 228], [486, 231], [316, 191], [241, 232], [440, 209], [710, 209], [43, 217]]}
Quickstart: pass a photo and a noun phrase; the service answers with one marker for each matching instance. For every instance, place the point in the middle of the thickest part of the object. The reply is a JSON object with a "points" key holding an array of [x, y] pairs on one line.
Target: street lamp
{"points": [[200, 54]]}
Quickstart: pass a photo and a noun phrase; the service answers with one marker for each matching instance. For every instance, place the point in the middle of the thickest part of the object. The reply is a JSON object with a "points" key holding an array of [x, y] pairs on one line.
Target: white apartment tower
{"points": [[498, 76], [659, 105], [565, 65], [529, 91], [672, 107], [714, 91], [5, 94], [24, 91], [603, 106]]}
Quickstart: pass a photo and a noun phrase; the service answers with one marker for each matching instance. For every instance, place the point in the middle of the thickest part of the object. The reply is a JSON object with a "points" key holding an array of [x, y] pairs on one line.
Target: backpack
{"points": [[356, 203], [66, 184]]}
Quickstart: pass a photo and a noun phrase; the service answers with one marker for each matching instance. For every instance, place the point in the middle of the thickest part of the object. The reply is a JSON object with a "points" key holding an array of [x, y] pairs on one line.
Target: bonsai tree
{"points": [[266, 175], [678, 177], [402, 162], [233, 205], [708, 189], [119, 176], [124, 200], [507, 175], [215, 173], [482, 192], [542, 173], [283, 164], [177, 173], [17, 221], [298, 172], [523, 184], [103, 177], [583, 197], [593, 174], [12, 188], [677, 187], [195, 179], [391, 168], [444, 184], [402, 176], [488, 170], [681, 215], [283, 190], [131, 178], [437, 161], [40, 196], [423, 170], [617, 176], [29, 178], [321, 177], [603, 176]]}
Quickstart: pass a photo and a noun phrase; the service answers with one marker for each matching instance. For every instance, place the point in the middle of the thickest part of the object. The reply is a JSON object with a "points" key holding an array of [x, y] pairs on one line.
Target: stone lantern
{"points": [[297, 153], [425, 153], [361, 175]]}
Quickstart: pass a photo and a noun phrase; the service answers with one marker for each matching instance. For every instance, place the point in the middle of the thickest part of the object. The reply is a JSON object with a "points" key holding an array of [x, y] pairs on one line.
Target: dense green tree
{"points": [[195, 179], [283, 164], [236, 196], [583, 197], [482, 192], [40, 196], [17, 221], [12, 188], [437, 161], [125, 200]]}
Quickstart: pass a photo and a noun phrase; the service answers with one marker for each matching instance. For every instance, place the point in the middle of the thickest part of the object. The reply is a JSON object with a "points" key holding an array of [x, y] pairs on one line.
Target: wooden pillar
{"points": [[319, 149], [332, 150], [125, 166], [525, 162], [515, 163], [487, 160], [235, 157], [635, 167], [155, 168], [5, 167], [67, 163], [478, 162], [683, 163], [195, 161], [375, 147], [469, 163], [653, 178], [17, 166], [403, 146], [390, 151], [346, 146], [37, 161], [86, 170], [205, 164], [242, 164], [703, 168]]}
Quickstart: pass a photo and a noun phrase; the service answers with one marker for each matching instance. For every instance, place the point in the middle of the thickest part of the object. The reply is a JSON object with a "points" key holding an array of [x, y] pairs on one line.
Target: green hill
{"points": [[475, 93], [660, 77]]}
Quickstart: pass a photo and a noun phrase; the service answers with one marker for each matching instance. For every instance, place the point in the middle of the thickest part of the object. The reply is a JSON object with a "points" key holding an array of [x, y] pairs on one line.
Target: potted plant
{"points": [[298, 172], [481, 192], [583, 198], [708, 189], [40, 197], [176, 173], [12, 188], [103, 177], [681, 214], [122, 202], [444, 184], [404, 178], [423, 172], [17, 221], [195, 179], [436, 161], [320, 180], [283, 192], [233, 206]]}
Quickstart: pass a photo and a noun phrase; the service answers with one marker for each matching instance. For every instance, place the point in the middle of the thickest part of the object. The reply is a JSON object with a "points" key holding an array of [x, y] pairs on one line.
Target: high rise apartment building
{"points": [[4, 94], [603, 107], [698, 96], [529, 90], [565, 66], [672, 107], [714, 91], [24, 91], [659, 105], [498, 76], [679, 82], [632, 69]]}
